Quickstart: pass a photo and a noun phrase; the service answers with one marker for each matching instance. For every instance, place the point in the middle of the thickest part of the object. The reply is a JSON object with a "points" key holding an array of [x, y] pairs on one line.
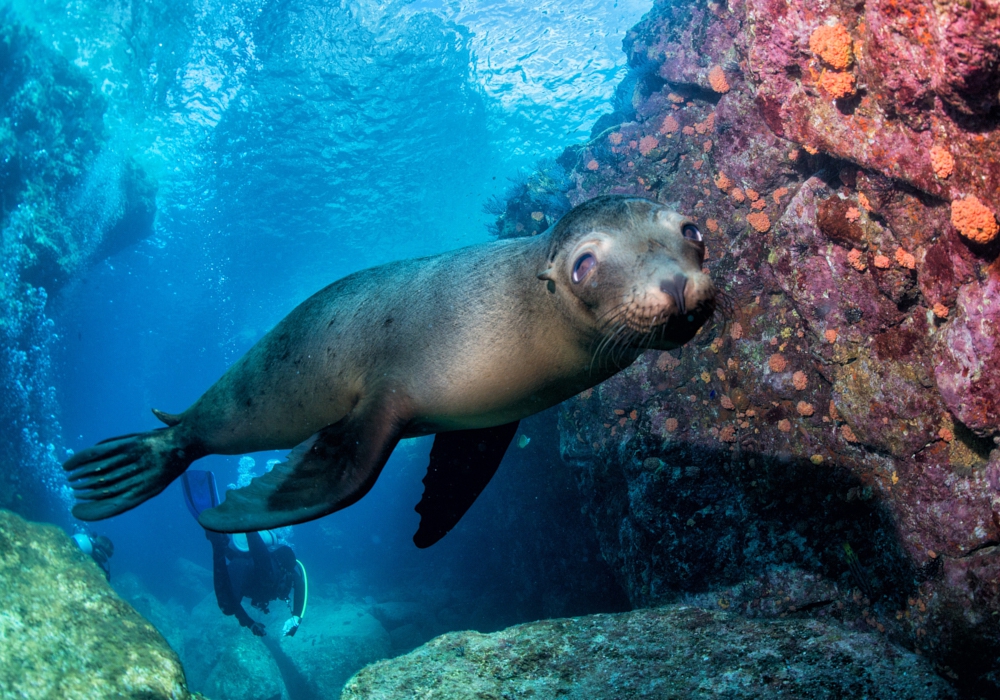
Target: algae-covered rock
{"points": [[669, 652], [847, 399], [64, 633]]}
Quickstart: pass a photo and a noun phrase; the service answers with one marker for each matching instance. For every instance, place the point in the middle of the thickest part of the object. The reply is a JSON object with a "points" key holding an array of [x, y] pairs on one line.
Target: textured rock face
{"points": [[925, 75], [674, 651], [831, 443], [65, 633]]}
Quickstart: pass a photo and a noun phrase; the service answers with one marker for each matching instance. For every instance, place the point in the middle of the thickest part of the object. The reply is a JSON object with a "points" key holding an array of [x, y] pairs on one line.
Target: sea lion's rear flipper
{"points": [[120, 473], [462, 463], [331, 470]]}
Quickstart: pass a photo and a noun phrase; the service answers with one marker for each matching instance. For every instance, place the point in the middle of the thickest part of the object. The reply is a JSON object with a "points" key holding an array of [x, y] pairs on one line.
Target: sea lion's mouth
{"points": [[682, 327], [638, 329]]}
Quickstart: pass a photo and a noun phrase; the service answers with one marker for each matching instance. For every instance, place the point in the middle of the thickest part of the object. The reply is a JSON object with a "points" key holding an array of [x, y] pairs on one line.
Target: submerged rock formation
{"points": [[66, 633], [674, 651], [66, 198], [829, 445]]}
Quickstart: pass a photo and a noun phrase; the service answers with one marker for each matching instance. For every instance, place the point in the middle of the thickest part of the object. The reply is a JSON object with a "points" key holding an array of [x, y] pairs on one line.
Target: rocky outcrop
{"points": [[675, 651], [64, 631], [830, 443], [67, 198]]}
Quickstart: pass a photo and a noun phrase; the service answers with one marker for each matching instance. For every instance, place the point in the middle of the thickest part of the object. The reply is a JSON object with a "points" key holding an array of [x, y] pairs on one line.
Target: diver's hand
{"points": [[258, 629], [291, 626]]}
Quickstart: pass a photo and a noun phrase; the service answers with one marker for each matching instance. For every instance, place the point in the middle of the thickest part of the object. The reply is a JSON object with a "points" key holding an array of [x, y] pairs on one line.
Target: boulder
{"points": [[65, 633], [674, 651]]}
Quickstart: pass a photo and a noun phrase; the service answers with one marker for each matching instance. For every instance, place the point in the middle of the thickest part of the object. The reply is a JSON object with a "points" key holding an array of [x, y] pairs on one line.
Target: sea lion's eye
{"points": [[582, 267], [691, 232]]}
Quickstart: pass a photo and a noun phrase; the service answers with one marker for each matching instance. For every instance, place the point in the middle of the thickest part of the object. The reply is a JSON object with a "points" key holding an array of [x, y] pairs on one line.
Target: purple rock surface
{"points": [[828, 447]]}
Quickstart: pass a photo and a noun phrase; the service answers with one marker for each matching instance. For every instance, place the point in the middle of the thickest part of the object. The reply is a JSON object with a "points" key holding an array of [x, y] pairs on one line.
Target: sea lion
{"points": [[462, 344]]}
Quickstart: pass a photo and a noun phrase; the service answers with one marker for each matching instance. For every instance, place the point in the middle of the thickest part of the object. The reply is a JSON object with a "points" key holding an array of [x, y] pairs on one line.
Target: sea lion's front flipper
{"points": [[331, 470], [462, 463]]}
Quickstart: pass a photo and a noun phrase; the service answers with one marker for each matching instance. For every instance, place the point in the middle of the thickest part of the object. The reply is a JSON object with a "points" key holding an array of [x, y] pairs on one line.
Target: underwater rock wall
{"points": [[64, 631], [829, 448], [67, 198]]}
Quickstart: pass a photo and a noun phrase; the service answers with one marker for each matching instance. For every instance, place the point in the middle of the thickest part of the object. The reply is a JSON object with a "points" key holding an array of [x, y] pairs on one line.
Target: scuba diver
{"points": [[251, 565], [100, 549]]}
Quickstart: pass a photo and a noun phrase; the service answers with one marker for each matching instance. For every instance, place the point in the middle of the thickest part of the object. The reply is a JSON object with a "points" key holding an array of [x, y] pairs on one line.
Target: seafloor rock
{"points": [[65, 633], [676, 651], [826, 448]]}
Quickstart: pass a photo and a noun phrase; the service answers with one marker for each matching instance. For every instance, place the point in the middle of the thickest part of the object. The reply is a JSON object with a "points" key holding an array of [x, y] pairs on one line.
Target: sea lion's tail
{"points": [[120, 473]]}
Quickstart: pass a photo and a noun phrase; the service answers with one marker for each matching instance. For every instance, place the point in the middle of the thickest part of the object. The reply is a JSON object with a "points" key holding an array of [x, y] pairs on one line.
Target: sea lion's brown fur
{"points": [[476, 337]]}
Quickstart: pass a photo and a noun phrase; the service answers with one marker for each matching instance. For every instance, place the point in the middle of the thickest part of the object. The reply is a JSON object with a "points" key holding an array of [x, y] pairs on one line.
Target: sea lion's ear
{"points": [[667, 218], [548, 277]]}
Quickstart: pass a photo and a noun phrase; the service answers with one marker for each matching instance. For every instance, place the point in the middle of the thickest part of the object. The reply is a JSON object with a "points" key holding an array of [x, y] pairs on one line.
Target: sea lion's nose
{"points": [[674, 288]]}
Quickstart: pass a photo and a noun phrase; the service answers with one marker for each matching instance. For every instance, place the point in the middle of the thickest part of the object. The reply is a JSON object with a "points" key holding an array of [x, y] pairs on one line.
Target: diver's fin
{"points": [[200, 491], [118, 474], [170, 419], [462, 463], [331, 470]]}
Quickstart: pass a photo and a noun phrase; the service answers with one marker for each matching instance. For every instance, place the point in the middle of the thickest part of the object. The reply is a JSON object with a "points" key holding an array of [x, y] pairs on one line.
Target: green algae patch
{"points": [[65, 633]]}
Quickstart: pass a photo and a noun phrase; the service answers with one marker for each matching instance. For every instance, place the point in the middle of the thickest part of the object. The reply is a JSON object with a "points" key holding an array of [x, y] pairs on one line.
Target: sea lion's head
{"points": [[632, 270]]}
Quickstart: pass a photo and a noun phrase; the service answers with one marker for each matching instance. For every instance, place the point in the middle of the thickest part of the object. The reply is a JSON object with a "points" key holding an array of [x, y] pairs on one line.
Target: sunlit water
{"points": [[294, 142]]}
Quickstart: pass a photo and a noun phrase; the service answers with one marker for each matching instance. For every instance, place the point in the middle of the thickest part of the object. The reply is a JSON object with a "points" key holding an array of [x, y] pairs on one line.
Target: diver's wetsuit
{"points": [[99, 548], [256, 575], [102, 560]]}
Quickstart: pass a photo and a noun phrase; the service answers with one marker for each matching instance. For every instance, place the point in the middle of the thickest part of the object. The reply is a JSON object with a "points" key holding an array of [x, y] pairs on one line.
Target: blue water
{"points": [[294, 142]]}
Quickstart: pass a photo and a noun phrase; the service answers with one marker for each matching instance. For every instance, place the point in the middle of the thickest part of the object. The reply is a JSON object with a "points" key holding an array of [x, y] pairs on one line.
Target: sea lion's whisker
{"points": [[609, 325], [610, 341], [622, 341], [607, 341]]}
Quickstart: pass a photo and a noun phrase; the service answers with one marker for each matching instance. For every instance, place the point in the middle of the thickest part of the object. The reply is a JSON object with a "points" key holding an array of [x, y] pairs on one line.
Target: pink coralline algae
{"points": [[923, 65], [777, 362], [864, 341], [968, 358]]}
